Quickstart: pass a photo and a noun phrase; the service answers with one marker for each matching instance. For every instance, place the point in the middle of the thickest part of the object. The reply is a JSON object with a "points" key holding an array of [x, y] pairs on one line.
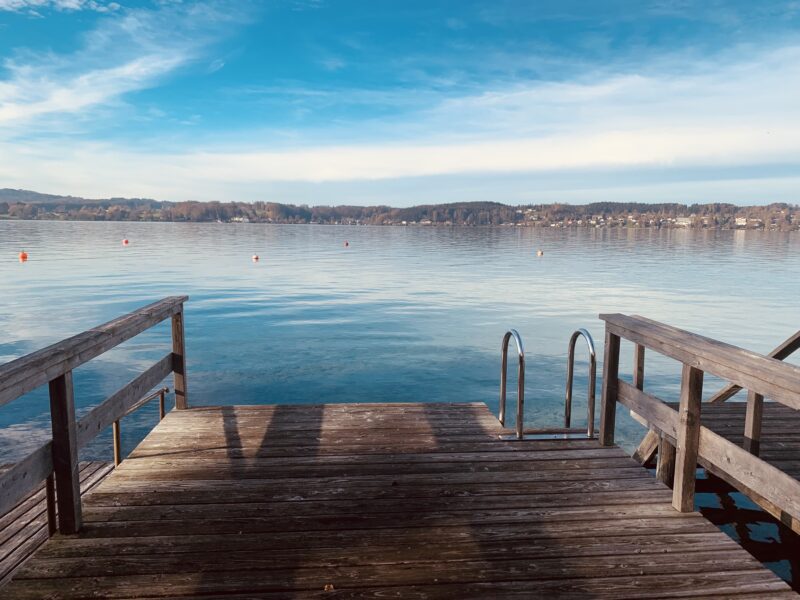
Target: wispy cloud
{"points": [[127, 52], [33, 6], [733, 110]]}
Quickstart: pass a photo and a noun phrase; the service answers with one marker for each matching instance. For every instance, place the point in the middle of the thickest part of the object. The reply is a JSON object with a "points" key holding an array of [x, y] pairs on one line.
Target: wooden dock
{"points": [[27, 526], [381, 501]]}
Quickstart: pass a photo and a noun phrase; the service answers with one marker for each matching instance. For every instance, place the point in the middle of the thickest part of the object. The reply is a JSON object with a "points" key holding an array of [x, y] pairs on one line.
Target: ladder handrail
{"points": [[520, 380], [592, 379]]}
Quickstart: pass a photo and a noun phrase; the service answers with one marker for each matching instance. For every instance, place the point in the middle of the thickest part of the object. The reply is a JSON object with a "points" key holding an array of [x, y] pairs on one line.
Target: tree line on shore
{"points": [[20, 204]]}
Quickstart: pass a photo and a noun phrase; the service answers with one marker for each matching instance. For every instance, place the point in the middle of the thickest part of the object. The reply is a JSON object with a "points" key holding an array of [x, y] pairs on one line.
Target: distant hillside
{"points": [[24, 204], [12, 196]]}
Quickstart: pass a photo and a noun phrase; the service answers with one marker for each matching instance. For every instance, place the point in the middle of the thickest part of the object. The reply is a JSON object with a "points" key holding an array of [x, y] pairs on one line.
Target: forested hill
{"points": [[24, 204]]}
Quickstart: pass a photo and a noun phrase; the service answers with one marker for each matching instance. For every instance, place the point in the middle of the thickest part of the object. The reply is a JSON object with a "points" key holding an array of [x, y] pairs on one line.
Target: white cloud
{"points": [[62, 5], [125, 53], [733, 111]]}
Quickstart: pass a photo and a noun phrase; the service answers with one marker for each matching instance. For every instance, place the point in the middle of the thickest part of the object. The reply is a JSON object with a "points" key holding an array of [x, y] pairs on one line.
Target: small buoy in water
{"points": [[540, 252], [255, 257], [125, 242], [23, 256], [346, 244]]}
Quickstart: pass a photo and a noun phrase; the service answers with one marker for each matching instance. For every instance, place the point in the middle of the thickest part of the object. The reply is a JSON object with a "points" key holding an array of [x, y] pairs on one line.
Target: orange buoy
{"points": [[125, 242], [255, 257], [23, 256], [346, 244]]}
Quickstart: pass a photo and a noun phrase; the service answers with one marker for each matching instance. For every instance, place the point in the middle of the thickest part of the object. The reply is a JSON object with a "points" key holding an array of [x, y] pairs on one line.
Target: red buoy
{"points": [[346, 244], [23, 256], [255, 257], [125, 242]]}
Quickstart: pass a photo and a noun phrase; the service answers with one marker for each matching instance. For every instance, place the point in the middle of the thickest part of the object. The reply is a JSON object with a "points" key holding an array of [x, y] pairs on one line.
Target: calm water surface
{"points": [[402, 314]]}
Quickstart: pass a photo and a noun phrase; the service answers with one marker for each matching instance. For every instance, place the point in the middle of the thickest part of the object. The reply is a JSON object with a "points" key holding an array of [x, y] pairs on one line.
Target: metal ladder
{"points": [[520, 431]]}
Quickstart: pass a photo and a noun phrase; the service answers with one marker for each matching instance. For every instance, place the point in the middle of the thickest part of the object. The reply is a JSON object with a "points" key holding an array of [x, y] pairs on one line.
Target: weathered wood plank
{"points": [[24, 374], [179, 361], [786, 349], [249, 509], [25, 527], [688, 440], [753, 422], [25, 476], [751, 473], [451, 572], [118, 404], [767, 376], [65, 453], [608, 408], [665, 467]]}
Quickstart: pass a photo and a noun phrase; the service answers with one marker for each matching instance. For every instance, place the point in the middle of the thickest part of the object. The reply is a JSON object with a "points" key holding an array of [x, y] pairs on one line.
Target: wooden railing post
{"points": [[638, 366], [651, 442], [65, 453], [665, 464], [608, 407], [688, 438], [752, 422], [179, 361]]}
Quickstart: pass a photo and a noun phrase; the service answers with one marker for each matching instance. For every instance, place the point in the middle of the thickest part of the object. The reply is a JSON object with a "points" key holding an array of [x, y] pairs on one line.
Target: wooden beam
{"points": [[608, 408], [688, 439], [789, 346], [179, 361], [649, 444], [767, 376], [752, 422], [656, 412], [665, 468], [749, 473], [647, 448], [24, 374], [119, 403], [65, 454], [25, 476], [638, 366]]}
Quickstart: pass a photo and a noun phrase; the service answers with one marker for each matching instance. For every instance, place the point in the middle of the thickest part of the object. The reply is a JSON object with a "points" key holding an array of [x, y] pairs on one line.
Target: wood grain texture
{"points": [[608, 404], [307, 501], [24, 374], [24, 528], [764, 375], [786, 349], [65, 453], [118, 404]]}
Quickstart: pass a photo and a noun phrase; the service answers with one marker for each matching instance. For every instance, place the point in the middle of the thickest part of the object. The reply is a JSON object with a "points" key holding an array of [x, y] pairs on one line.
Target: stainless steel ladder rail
{"points": [[592, 380], [520, 381]]}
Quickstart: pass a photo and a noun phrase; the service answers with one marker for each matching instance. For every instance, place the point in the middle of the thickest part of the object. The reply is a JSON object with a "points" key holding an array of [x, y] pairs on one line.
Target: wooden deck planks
{"points": [[24, 528], [382, 501]]}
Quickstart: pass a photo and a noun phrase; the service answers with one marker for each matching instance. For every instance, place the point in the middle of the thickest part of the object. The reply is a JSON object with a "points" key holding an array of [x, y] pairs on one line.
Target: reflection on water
{"points": [[766, 538], [403, 314]]}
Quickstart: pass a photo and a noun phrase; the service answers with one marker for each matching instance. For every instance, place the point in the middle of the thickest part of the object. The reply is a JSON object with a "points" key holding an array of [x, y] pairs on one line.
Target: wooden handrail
{"points": [[763, 375], [785, 350], [683, 429], [53, 366], [29, 372]]}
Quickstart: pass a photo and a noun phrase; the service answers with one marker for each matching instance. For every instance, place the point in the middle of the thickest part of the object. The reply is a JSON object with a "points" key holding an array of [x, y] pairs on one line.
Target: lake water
{"points": [[402, 314]]}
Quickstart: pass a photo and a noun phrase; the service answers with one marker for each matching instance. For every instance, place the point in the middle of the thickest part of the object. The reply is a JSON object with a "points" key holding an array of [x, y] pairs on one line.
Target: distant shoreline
{"points": [[5, 218], [27, 205]]}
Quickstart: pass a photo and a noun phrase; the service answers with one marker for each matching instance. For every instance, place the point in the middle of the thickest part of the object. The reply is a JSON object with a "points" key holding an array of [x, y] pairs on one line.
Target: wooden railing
{"points": [[56, 461], [685, 442]]}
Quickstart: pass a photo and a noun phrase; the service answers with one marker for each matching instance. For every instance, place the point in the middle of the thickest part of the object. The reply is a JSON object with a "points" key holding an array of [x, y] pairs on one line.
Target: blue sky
{"points": [[402, 102]]}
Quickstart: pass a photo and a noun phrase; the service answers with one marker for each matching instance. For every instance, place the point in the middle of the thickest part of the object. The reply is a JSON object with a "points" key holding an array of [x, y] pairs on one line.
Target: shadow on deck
{"points": [[382, 501]]}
